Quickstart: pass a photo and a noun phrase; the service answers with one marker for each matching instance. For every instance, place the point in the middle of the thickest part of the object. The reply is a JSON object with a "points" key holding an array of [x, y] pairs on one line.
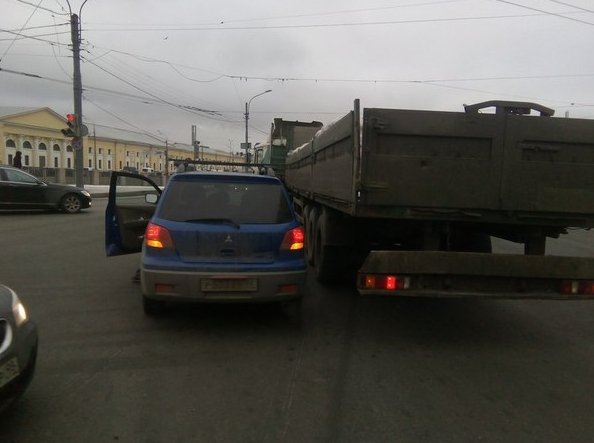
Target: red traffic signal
{"points": [[74, 129], [70, 131]]}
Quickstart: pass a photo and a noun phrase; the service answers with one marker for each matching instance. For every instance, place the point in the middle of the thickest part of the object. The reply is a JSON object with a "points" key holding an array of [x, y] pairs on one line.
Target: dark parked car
{"points": [[18, 347], [21, 190], [212, 237]]}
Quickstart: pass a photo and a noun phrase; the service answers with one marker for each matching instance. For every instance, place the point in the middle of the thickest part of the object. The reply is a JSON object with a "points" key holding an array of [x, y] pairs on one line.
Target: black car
{"points": [[18, 347], [21, 190]]}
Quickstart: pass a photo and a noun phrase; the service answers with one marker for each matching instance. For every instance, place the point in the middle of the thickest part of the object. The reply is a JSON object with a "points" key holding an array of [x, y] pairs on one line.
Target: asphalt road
{"points": [[352, 370]]}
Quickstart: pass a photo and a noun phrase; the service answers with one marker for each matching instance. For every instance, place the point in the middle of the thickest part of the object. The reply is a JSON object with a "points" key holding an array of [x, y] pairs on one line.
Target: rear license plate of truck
{"points": [[229, 284]]}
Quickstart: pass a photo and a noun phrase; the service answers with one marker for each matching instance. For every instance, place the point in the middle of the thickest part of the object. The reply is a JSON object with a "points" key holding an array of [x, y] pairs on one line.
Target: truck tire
{"points": [[311, 216], [327, 259]]}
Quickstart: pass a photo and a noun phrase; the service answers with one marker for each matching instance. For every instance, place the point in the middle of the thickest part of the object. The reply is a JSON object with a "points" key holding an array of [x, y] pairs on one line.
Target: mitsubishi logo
{"points": [[228, 239]]}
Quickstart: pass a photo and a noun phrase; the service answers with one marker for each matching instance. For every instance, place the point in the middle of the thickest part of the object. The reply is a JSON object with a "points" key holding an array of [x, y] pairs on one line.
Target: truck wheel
{"points": [[311, 217], [325, 258]]}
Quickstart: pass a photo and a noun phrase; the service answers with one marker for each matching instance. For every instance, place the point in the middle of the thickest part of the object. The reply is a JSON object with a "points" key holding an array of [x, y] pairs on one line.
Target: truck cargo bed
{"points": [[502, 168]]}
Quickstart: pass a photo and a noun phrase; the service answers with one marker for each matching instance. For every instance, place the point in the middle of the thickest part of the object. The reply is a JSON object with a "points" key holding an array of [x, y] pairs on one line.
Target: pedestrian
{"points": [[17, 161]]}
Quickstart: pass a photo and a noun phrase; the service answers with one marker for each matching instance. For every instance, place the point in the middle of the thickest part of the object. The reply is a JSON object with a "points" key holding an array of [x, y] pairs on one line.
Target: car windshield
{"points": [[240, 203]]}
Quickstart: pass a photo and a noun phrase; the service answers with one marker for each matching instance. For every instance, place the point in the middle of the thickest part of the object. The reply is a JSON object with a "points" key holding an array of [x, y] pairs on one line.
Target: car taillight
{"points": [[158, 237], [294, 239], [385, 282]]}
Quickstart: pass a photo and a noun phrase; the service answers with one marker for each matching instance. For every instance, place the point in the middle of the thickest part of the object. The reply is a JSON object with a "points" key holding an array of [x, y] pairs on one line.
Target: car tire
{"points": [[71, 203], [292, 309], [151, 307]]}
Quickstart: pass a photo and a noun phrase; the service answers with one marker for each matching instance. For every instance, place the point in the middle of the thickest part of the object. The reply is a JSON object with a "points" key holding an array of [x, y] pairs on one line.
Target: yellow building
{"points": [[37, 134]]}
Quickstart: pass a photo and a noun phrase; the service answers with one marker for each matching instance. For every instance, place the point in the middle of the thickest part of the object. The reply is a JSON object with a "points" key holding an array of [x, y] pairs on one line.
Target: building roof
{"points": [[10, 111]]}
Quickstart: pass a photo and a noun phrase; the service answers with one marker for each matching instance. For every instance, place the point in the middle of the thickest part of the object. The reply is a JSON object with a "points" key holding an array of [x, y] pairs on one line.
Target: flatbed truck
{"points": [[406, 202]]}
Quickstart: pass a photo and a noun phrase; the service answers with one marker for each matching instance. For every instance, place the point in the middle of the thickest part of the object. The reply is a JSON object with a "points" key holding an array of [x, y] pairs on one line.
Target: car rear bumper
{"points": [[199, 287], [22, 355]]}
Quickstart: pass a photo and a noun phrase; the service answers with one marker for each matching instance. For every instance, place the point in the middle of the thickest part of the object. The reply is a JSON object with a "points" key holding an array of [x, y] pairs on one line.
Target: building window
{"points": [[90, 150], [42, 147], [127, 153], [100, 151], [109, 152], [69, 161], [120, 164], [109, 165], [69, 149], [10, 144], [26, 145], [42, 161], [57, 148], [10, 159], [55, 162], [99, 164], [26, 160], [90, 163]]}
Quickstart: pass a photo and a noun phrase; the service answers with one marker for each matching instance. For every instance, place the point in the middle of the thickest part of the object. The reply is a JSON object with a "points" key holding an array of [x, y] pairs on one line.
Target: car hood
{"points": [[57, 186]]}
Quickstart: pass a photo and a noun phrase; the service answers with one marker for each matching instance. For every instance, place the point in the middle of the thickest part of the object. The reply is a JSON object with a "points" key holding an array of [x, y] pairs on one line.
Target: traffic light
{"points": [[74, 130], [70, 131]]}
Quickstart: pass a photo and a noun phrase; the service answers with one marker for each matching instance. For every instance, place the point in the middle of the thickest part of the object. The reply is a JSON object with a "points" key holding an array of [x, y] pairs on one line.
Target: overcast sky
{"points": [[162, 66]]}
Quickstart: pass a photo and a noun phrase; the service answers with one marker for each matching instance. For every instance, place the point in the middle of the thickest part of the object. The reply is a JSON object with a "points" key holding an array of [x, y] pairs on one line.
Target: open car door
{"points": [[132, 202]]}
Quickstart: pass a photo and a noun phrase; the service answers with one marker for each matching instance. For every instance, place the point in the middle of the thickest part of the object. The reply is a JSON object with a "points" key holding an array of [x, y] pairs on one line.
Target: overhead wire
{"points": [[572, 6], [22, 27], [119, 118], [182, 28], [209, 114], [545, 12], [41, 7], [139, 76]]}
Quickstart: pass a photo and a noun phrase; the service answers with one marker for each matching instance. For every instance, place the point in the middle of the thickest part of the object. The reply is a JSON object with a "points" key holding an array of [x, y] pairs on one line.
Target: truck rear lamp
{"points": [[157, 237], [577, 287], [385, 282], [294, 240]]}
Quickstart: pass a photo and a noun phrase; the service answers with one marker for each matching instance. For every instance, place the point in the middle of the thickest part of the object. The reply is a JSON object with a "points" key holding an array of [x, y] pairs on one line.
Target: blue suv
{"points": [[208, 237]]}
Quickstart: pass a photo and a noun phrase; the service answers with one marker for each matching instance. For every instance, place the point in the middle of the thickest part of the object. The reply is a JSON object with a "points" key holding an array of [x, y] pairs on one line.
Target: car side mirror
{"points": [[151, 198]]}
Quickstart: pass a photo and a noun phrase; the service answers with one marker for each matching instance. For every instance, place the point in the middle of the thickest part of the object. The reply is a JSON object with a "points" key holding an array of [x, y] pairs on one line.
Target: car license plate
{"points": [[229, 284], [8, 371]]}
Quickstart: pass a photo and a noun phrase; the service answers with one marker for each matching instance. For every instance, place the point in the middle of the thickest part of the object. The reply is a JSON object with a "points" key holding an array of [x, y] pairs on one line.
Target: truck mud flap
{"points": [[475, 275]]}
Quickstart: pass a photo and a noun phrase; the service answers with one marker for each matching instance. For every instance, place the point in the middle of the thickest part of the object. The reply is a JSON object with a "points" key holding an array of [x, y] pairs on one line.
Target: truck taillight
{"points": [[577, 287], [294, 239], [385, 282], [158, 237]]}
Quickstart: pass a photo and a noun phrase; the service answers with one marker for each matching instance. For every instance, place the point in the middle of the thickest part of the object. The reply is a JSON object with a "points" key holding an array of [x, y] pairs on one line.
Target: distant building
{"points": [[36, 132]]}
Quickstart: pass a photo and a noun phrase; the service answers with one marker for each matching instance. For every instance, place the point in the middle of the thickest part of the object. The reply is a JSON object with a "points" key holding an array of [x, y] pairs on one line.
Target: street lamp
{"points": [[247, 117]]}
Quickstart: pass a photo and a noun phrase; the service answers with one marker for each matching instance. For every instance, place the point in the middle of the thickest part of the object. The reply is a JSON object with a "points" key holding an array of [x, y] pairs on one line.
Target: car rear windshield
{"points": [[239, 203]]}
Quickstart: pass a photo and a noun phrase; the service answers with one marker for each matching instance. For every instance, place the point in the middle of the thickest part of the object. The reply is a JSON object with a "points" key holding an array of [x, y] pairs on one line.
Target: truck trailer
{"points": [[285, 135], [406, 202]]}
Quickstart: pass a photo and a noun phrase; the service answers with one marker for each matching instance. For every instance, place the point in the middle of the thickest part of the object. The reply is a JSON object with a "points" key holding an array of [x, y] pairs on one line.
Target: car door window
{"points": [[13, 175]]}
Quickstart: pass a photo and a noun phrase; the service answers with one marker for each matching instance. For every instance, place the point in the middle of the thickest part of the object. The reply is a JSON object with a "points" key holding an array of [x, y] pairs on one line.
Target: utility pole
{"points": [[77, 89], [166, 161], [246, 145]]}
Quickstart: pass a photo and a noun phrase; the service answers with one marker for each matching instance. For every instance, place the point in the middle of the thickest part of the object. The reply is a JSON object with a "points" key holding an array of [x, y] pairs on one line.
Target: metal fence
{"points": [[90, 177]]}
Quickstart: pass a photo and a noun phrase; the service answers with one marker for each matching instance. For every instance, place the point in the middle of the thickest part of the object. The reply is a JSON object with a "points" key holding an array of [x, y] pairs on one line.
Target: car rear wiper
{"points": [[213, 220]]}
